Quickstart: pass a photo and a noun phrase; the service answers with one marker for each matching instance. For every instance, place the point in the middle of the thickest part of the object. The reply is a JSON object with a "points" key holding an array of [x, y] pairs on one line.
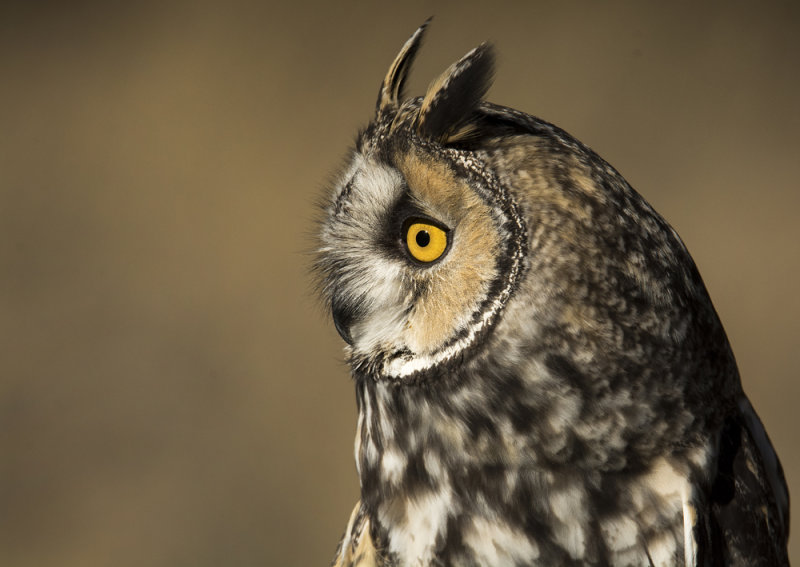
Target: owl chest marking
{"points": [[429, 506]]}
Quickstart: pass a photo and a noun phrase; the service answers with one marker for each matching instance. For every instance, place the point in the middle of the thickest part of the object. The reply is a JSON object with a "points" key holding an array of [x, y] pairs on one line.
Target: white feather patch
{"points": [[496, 543], [414, 540]]}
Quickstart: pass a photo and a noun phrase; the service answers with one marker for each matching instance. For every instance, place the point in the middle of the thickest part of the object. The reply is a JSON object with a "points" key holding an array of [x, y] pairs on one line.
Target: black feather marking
{"points": [[743, 506], [392, 88], [451, 99], [723, 490]]}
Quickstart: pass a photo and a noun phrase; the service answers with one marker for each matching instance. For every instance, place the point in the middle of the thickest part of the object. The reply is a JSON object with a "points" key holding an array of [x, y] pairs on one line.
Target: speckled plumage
{"points": [[557, 389]]}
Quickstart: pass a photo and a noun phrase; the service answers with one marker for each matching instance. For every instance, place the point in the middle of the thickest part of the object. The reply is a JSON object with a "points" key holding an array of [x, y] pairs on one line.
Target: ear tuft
{"points": [[448, 105], [391, 93]]}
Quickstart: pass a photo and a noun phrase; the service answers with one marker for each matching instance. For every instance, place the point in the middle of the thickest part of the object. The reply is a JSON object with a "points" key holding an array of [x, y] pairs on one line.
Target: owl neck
{"points": [[489, 416]]}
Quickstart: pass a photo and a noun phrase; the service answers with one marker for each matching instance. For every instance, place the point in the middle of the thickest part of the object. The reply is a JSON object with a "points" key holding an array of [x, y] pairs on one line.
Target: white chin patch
{"points": [[369, 335]]}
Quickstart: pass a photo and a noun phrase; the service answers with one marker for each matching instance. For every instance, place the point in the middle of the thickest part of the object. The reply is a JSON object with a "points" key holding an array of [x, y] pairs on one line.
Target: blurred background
{"points": [[171, 394]]}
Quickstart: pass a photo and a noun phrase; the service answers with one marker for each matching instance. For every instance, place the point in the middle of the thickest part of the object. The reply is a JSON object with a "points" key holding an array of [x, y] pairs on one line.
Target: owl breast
{"points": [[462, 489]]}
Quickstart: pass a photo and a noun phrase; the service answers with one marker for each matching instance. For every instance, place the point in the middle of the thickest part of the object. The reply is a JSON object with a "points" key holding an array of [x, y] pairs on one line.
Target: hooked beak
{"points": [[344, 315]]}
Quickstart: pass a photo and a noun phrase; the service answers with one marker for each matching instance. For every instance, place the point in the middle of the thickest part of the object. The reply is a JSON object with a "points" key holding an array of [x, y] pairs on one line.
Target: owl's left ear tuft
{"points": [[391, 94], [447, 109]]}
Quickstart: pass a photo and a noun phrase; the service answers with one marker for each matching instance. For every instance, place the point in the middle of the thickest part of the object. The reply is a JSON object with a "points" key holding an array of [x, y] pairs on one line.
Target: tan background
{"points": [[170, 394]]}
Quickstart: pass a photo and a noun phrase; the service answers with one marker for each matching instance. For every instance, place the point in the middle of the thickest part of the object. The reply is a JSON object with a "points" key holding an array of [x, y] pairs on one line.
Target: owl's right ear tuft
{"points": [[391, 93], [447, 109]]}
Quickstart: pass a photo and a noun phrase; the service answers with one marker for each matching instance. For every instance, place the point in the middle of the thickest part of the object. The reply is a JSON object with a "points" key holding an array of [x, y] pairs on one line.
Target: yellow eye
{"points": [[425, 242]]}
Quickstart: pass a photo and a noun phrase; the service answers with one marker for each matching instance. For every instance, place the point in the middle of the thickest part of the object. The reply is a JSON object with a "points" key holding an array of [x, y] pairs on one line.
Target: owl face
{"points": [[420, 247], [416, 253]]}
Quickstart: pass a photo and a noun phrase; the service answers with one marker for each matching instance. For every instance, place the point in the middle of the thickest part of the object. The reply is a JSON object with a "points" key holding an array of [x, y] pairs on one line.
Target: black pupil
{"points": [[423, 238]]}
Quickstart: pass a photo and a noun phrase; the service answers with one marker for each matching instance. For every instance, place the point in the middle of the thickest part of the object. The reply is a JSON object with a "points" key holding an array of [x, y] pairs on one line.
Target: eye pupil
{"points": [[423, 238]]}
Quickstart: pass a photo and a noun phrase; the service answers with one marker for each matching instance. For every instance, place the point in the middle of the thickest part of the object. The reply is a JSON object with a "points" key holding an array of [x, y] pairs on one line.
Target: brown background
{"points": [[171, 394]]}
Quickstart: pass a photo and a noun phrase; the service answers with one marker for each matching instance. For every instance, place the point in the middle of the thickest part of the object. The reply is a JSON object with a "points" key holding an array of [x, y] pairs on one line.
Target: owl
{"points": [[541, 377]]}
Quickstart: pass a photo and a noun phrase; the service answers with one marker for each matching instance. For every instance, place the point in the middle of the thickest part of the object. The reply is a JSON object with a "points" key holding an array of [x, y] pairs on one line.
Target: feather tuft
{"points": [[452, 98], [392, 88]]}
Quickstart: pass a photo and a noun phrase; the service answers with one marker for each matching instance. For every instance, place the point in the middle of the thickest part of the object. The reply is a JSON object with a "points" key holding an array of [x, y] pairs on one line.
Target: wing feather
{"points": [[747, 516]]}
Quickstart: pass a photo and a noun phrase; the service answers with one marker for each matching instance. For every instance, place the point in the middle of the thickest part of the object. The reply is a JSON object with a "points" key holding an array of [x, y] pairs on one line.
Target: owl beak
{"points": [[343, 317]]}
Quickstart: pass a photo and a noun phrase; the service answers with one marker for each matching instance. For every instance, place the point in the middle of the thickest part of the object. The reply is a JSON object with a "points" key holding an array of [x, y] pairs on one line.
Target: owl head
{"points": [[460, 228], [421, 245]]}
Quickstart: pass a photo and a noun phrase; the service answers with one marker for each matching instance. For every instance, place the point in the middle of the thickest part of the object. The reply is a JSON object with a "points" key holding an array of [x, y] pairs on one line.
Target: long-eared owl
{"points": [[541, 377]]}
